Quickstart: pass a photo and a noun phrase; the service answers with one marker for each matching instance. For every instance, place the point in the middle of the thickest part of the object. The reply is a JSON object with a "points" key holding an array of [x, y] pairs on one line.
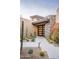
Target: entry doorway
{"points": [[41, 30]]}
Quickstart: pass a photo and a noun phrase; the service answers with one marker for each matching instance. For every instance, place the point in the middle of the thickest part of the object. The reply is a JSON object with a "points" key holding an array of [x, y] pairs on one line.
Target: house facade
{"points": [[40, 26]]}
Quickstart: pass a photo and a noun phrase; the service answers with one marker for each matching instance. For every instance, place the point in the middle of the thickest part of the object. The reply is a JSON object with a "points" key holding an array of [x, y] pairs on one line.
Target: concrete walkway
{"points": [[35, 55], [53, 51]]}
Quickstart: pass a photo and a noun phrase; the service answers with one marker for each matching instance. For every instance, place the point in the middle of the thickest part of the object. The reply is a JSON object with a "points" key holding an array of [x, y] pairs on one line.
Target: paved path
{"points": [[53, 51], [35, 55]]}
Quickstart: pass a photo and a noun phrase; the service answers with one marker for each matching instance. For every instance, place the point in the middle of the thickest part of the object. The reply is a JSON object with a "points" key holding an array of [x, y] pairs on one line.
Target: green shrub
{"points": [[56, 40], [30, 51], [55, 37], [34, 34], [33, 39], [42, 54]]}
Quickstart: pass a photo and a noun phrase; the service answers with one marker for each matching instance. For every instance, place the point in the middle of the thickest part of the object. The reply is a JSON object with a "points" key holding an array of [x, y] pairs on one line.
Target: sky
{"points": [[38, 7]]}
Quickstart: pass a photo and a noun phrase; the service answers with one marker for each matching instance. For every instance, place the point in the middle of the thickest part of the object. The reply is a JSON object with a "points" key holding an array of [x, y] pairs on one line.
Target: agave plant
{"points": [[30, 51]]}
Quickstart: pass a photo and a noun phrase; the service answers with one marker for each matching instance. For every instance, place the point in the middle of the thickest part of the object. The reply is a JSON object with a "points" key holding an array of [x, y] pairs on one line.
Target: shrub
{"points": [[42, 54], [34, 35], [30, 51], [55, 37], [33, 39]]}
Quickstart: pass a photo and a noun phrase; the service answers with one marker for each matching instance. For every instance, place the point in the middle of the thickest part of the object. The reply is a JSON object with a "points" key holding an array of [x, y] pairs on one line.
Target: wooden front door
{"points": [[41, 30]]}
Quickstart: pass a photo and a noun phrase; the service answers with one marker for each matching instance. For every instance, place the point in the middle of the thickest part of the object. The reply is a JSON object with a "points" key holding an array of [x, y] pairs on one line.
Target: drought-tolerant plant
{"points": [[42, 54], [55, 37], [34, 34], [30, 36], [33, 39], [56, 40], [30, 51]]}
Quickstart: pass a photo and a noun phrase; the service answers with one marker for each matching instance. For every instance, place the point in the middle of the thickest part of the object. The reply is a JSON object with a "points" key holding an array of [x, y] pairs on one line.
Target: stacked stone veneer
{"points": [[49, 25]]}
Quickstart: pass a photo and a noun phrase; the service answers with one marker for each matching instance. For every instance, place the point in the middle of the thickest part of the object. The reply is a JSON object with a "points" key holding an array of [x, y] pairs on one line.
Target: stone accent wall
{"points": [[47, 29], [49, 25]]}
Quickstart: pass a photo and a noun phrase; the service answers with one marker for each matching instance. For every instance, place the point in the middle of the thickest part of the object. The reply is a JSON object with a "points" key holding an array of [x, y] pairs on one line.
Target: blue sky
{"points": [[38, 7]]}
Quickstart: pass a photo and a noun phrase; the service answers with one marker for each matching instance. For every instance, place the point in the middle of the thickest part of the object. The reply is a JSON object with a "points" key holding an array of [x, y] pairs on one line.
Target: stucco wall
{"points": [[28, 27], [55, 27], [57, 16]]}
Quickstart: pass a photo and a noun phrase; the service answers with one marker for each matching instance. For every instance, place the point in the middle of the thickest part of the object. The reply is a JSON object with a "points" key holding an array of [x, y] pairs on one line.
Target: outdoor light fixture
{"points": [[39, 44]]}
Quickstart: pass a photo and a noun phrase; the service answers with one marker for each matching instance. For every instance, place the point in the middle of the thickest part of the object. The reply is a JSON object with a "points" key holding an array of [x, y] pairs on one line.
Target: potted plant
{"points": [[42, 54]]}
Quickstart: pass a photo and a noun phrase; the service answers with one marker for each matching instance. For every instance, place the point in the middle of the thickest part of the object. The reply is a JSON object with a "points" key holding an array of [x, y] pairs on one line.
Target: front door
{"points": [[41, 30]]}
